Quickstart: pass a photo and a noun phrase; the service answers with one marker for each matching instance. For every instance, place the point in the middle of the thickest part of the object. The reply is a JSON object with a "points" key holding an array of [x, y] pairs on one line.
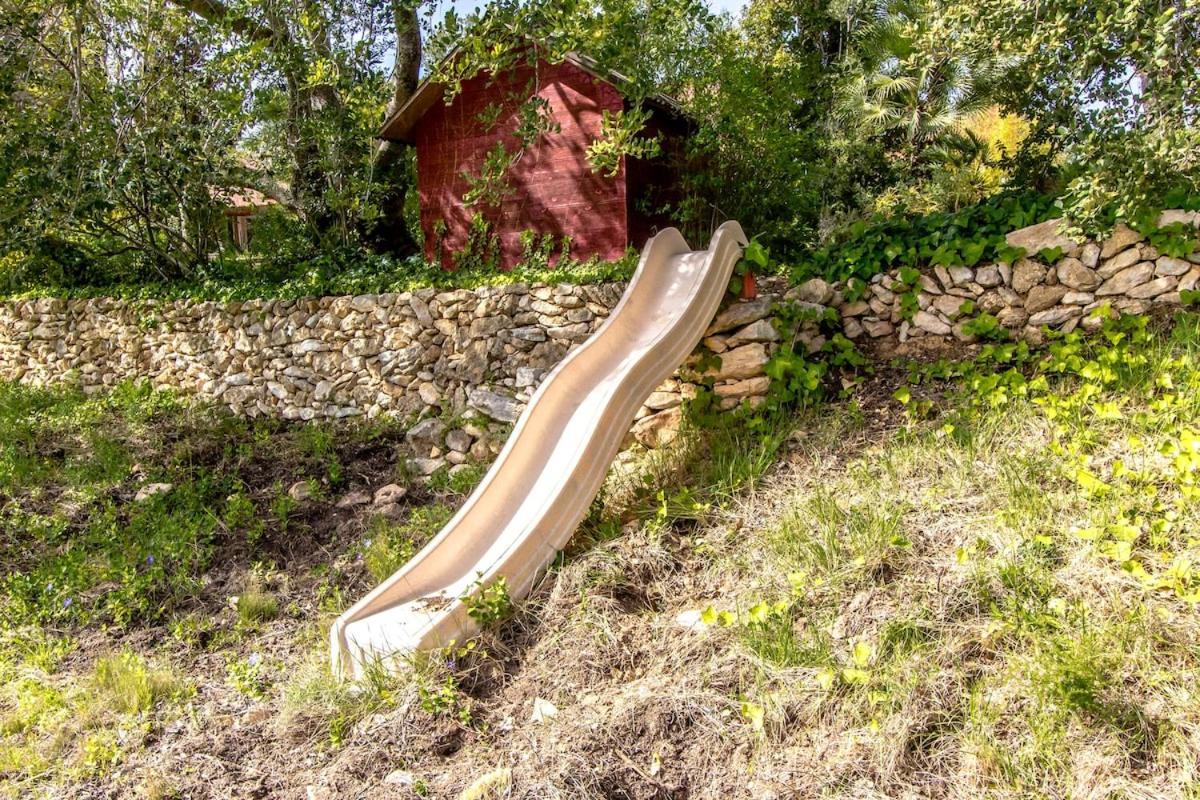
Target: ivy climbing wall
{"points": [[1059, 284]]}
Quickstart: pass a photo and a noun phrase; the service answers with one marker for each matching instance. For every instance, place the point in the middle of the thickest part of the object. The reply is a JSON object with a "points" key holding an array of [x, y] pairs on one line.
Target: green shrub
{"points": [[390, 545]]}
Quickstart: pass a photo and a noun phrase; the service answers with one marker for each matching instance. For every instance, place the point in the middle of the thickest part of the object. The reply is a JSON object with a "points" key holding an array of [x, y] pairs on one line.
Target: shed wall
{"points": [[554, 190]]}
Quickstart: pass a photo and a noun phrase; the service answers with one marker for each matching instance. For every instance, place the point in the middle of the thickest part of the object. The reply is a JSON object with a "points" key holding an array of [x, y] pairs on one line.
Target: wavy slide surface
{"points": [[542, 483]]}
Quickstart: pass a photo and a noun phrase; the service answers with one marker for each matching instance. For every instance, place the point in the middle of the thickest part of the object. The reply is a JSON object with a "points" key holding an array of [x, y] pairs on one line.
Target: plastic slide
{"points": [[540, 487]]}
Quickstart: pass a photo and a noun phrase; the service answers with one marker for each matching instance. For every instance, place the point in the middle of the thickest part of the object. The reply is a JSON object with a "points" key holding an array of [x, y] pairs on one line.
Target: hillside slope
{"points": [[965, 578]]}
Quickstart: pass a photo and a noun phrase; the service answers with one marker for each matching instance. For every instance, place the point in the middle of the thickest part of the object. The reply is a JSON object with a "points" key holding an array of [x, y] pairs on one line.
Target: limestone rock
{"points": [[815, 290], [878, 328], [1074, 275], [740, 314], [425, 435], [499, 407], [1121, 237], [856, 309], [421, 309], [353, 499], [949, 305], [1054, 316], [743, 388], [658, 401], [960, 332], [741, 362], [1126, 279], [758, 331], [988, 276], [458, 440], [528, 333], [300, 491], [1189, 281], [943, 276], [1026, 274], [1124, 259], [1042, 297], [576, 332], [1012, 317], [1036, 238], [961, 276], [1005, 272], [928, 284], [1153, 288], [931, 324], [391, 493], [658, 429], [152, 490], [1171, 216], [426, 466], [1171, 266], [429, 394]]}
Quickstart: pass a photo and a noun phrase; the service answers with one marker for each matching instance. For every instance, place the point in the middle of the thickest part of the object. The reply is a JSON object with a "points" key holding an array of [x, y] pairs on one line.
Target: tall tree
{"points": [[1112, 88], [111, 133], [296, 40]]}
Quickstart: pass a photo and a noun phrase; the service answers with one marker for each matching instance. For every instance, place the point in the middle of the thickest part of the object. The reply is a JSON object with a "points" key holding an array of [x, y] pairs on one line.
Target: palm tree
{"points": [[912, 89]]}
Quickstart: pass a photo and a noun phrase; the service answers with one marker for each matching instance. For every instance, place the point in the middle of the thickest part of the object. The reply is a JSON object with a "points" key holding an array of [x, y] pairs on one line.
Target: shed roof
{"points": [[399, 126]]}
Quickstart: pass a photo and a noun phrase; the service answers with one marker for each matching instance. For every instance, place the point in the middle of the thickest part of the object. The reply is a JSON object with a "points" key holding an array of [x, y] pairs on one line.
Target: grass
{"points": [[126, 684], [255, 604], [89, 567], [389, 545], [83, 730], [326, 709], [71, 466], [1000, 590]]}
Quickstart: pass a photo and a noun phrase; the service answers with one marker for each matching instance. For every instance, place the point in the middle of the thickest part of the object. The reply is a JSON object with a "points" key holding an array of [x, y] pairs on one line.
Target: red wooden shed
{"points": [[555, 190]]}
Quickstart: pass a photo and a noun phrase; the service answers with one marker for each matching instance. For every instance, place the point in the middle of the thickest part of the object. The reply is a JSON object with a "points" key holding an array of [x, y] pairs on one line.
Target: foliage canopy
{"points": [[123, 126]]}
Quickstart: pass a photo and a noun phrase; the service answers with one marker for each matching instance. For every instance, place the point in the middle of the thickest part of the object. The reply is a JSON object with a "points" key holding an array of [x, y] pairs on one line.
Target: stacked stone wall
{"points": [[1122, 272], [426, 354], [477, 355]]}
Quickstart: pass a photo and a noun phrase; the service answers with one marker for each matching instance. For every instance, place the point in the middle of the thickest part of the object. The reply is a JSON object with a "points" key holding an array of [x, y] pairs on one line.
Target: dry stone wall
{"points": [[474, 357], [1123, 272], [475, 353]]}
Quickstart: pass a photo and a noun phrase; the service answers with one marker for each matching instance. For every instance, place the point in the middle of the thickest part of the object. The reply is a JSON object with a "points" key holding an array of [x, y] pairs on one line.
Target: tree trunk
{"points": [[393, 173]]}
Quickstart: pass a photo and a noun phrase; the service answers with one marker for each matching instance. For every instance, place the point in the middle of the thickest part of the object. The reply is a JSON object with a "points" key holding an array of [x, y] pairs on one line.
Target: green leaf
{"points": [[1050, 255], [856, 677], [756, 254]]}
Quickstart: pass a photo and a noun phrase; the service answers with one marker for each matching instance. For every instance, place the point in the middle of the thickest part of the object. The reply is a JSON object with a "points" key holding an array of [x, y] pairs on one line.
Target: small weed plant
{"points": [[489, 605]]}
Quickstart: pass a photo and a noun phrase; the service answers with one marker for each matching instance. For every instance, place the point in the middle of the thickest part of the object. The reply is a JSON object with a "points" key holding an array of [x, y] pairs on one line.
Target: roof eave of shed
{"points": [[400, 125]]}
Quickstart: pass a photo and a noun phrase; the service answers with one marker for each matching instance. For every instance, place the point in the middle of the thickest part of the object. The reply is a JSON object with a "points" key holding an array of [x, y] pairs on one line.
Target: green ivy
{"points": [[331, 275], [962, 238]]}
